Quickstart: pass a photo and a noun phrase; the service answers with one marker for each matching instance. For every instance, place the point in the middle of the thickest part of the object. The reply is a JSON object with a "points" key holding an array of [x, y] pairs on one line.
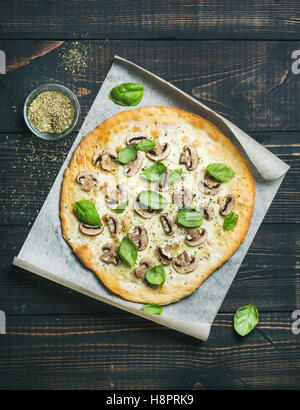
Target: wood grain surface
{"points": [[121, 351], [235, 57], [249, 82], [148, 19]]}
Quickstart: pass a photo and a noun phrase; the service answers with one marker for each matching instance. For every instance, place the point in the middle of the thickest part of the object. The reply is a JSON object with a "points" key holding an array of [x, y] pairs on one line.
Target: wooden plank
{"points": [[282, 336], [264, 359], [126, 352], [103, 353], [268, 278], [36, 163], [132, 19], [251, 83], [269, 272], [29, 168]]}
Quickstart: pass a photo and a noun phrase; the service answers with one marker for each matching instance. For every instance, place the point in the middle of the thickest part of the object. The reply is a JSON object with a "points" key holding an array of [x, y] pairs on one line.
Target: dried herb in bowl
{"points": [[51, 112]]}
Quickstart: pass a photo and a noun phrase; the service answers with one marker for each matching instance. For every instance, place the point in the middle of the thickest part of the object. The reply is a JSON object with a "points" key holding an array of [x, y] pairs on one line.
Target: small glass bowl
{"points": [[52, 87]]}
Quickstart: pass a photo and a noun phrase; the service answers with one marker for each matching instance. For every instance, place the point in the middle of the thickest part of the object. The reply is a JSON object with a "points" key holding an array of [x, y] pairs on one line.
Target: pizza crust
{"points": [[179, 128]]}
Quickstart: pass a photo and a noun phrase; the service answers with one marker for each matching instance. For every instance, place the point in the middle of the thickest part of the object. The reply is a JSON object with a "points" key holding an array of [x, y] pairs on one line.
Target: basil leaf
{"points": [[155, 309], [191, 217], [230, 221], [127, 154], [221, 172], [128, 251], [174, 176], [127, 94], [245, 319], [156, 275], [87, 213], [153, 200], [145, 145], [155, 171], [121, 208]]}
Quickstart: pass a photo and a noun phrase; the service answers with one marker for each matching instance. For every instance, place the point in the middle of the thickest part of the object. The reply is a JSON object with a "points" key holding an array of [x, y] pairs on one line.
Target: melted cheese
{"points": [[213, 246]]}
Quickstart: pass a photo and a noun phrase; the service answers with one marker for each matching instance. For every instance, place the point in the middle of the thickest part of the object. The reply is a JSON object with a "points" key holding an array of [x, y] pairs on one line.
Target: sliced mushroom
{"points": [[106, 158], [88, 180], [90, 230], [208, 211], [182, 198], [185, 263], [140, 237], [110, 254], [168, 223], [209, 185], [145, 264], [163, 254], [189, 157], [135, 138], [133, 167], [163, 184], [195, 236], [114, 224], [159, 152], [226, 204], [115, 197], [142, 210]]}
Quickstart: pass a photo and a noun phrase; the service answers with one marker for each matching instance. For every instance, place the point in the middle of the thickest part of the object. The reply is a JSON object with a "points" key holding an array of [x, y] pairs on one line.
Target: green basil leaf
{"points": [[230, 221], [155, 309], [174, 176], [87, 213], [127, 154], [146, 145], [155, 171], [156, 275], [153, 200], [221, 172], [121, 208], [128, 251], [127, 94], [191, 217], [245, 319]]}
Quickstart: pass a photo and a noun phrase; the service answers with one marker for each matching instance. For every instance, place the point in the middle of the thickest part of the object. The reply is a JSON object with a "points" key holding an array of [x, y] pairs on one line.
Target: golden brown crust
{"points": [[203, 135]]}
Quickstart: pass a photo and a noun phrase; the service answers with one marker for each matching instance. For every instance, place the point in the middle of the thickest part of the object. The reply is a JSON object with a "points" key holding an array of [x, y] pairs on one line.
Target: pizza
{"points": [[154, 200]]}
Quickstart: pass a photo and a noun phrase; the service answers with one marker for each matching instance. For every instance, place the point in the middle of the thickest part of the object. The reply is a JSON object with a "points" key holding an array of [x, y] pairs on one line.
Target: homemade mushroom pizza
{"points": [[154, 200]]}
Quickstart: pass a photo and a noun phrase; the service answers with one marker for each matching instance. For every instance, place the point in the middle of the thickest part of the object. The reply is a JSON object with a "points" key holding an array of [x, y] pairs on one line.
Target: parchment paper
{"points": [[47, 254]]}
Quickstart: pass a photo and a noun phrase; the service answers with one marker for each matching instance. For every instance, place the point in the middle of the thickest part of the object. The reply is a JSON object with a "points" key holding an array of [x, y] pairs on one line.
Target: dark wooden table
{"points": [[234, 56]]}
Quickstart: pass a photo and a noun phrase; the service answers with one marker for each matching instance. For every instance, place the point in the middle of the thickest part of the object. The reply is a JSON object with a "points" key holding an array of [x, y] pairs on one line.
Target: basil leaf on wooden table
{"points": [[155, 309], [127, 94], [155, 171], [191, 217], [153, 200], [245, 319], [127, 154], [230, 221], [87, 213], [221, 172], [146, 145], [174, 176], [156, 275], [128, 251]]}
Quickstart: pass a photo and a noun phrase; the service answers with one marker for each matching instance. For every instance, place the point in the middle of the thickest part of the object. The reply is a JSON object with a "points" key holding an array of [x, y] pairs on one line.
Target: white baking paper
{"points": [[47, 254]]}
